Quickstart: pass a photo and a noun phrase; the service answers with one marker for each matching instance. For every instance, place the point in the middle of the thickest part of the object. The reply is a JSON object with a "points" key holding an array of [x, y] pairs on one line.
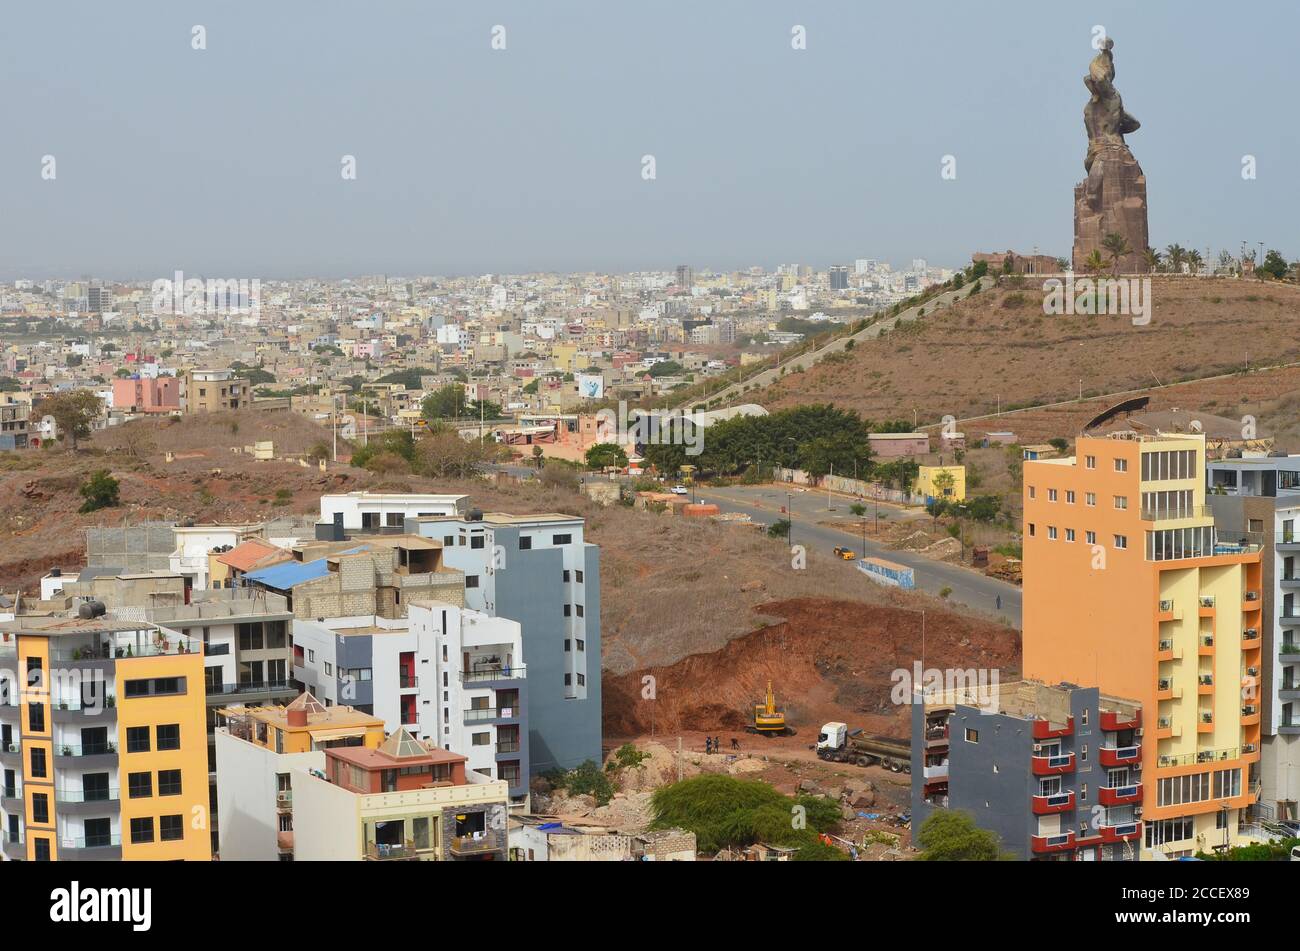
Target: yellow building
{"points": [[211, 391], [1127, 588], [942, 482], [104, 742]]}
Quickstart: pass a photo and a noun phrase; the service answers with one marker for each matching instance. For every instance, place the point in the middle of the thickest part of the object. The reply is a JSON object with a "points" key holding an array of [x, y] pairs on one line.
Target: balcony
{"points": [[11, 797], [936, 736], [1045, 730], [82, 802], [1205, 646], [1057, 802], [1251, 601], [91, 848], [1196, 759], [1288, 618], [407, 681], [1250, 638], [484, 714], [1290, 690], [252, 689], [485, 675], [1205, 684], [400, 852], [1053, 765], [1112, 720], [1289, 652], [1119, 755], [1165, 650], [1165, 690], [935, 772], [1123, 832], [508, 746], [11, 754], [1289, 726], [1165, 611], [1249, 715], [14, 849], [85, 757], [1061, 842], [1120, 795], [471, 845], [1205, 723], [1205, 606], [1166, 729]]}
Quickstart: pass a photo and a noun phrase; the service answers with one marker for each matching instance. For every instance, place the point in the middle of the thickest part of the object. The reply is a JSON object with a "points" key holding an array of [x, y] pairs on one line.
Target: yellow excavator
{"points": [[769, 720]]}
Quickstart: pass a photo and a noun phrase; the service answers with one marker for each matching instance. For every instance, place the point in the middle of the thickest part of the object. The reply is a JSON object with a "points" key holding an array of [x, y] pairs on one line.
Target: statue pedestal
{"points": [[1112, 200]]}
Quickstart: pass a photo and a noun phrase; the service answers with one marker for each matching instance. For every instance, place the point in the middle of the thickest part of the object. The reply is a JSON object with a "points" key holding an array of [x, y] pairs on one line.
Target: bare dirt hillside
{"points": [[999, 347]]}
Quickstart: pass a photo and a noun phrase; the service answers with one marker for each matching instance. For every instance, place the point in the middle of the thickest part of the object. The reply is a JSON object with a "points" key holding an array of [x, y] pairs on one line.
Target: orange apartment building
{"points": [[1126, 588], [103, 745]]}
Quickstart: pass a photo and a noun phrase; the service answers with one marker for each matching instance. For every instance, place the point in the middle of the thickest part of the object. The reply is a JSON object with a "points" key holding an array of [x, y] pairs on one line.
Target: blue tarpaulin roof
{"points": [[289, 573]]}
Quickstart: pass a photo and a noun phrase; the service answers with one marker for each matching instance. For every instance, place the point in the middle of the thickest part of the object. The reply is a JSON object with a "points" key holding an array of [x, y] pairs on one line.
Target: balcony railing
{"points": [[110, 841], [1204, 756], [1207, 601], [508, 746], [483, 674], [469, 845], [490, 713], [92, 749], [109, 794], [379, 852], [252, 686]]}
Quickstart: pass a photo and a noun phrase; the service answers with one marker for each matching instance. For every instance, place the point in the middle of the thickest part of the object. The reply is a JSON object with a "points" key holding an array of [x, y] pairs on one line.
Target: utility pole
{"points": [[334, 418], [789, 518], [829, 507]]}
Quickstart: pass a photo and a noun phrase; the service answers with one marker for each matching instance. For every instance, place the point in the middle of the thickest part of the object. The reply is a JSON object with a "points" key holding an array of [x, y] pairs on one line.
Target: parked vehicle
{"points": [[848, 554], [679, 490], [837, 743]]}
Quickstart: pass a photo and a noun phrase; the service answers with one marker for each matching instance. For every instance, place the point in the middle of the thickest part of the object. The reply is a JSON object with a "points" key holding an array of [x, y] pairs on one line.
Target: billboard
{"points": [[591, 386]]}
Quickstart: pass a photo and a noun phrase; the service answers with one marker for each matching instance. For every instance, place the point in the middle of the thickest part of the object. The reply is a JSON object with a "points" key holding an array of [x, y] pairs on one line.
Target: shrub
{"points": [[100, 491]]}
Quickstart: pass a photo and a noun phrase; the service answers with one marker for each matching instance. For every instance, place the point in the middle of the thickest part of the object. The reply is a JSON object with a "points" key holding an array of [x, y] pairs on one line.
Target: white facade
{"points": [[365, 510], [1280, 757], [195, 542], [250, 805]]}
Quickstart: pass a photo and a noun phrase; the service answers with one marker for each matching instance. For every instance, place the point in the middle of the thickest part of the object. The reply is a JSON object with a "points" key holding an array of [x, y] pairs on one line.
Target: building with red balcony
{"points": [[1054, 771]]}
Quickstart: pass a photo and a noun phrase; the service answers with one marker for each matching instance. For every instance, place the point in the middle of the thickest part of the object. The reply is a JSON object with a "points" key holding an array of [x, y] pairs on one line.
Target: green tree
{"points": [[1116, 246], [951, 836], [446, 402], [606, 455], [1274, 265], [100, 491], [73, 413]]}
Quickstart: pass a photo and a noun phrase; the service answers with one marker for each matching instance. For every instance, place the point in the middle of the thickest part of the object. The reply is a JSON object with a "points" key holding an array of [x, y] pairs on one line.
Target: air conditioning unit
{"points": [[1137, 810], [1038, 749], [1138, 731]]}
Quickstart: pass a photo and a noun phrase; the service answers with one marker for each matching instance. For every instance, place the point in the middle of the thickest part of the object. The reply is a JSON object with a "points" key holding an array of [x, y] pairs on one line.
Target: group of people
{"points": [[713, 744]]}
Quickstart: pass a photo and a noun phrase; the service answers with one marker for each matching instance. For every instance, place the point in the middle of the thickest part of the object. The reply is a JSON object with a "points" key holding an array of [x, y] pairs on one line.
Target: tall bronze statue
{"points": [[1112, 200]]}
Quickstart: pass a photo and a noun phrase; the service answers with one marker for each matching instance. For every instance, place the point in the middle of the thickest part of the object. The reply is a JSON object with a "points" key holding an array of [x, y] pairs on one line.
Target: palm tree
{"points": [[1116, 246], [1176, 255], [1153, 258], [1094, 263], [1194, 260]]}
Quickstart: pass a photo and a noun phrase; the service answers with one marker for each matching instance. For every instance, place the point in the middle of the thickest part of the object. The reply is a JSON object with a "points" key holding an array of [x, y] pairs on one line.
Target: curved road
{"points": [[808, 508]]}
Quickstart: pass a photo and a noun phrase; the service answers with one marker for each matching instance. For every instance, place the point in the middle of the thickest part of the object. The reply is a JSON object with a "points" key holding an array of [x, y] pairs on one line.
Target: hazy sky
{"points": [[226, 162]]}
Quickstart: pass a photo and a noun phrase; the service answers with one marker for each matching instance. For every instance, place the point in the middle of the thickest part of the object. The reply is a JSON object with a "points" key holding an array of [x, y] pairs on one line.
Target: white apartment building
{"points": [[374, 511], [450, 676]]}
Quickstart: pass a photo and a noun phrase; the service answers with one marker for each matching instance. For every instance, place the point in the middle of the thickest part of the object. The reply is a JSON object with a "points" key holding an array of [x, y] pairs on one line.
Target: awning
{"points": [[339, 733]]}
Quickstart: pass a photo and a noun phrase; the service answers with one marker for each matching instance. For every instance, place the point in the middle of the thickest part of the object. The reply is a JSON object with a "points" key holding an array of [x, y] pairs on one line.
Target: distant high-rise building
{"points": [[99, 299], [839, 277], [685, 278]]}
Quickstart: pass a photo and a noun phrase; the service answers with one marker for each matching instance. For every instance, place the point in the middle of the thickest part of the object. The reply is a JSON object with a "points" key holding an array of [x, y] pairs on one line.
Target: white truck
{"points": [[837, 743]]}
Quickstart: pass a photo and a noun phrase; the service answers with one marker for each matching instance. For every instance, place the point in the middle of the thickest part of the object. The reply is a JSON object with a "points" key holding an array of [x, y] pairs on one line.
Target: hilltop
{"points": [[997, 349]]}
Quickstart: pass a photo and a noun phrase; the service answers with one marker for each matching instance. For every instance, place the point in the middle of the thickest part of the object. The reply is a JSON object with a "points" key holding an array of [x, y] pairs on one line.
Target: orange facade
{"points": [[1126, 589]]}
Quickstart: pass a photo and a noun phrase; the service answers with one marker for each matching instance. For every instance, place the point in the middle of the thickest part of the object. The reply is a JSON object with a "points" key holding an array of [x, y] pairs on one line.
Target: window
{"points": [[577, 576], [582, 680], [139, 785], [1121, 501], [1090, 462], [1090, 498], [169, 782], [329, 669], [36, 717], [40, 808], [1084, 716], [38, 763], [476, 541], [169, 736], [565, 575], [42, 850], [568, 610], [1032, 493], [482, 739], [471, 581], [561, 539], [568, 680], [170, 829], [1121, 465], [142, 829], [1069, 496], [566, 645], [972, 736], [525, 543], [1051, 495], [1090, 537], [137, 739], [311, 656], [1051, 532], [582, 645], [1121, 541], [155, 687], [1069, 534], [1083, 753], [1031, 529], [580, 609]]}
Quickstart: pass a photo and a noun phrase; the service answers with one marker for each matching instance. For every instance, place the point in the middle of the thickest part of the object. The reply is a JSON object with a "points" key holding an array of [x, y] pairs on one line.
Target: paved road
{"points": [[763, 504], [806, 360]]}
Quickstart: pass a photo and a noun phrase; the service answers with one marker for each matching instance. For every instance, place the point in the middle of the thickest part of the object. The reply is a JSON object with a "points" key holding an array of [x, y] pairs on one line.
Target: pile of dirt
{"points": [[827, 660]]}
